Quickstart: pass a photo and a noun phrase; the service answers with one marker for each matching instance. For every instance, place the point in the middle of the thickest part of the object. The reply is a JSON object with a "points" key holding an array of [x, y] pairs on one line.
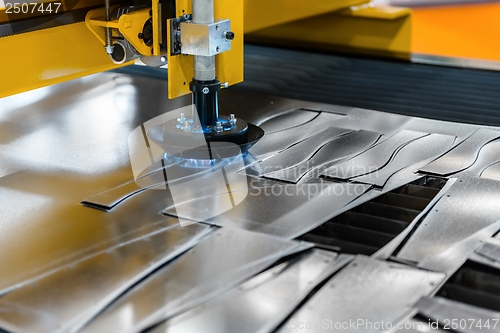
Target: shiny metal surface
{"points": [[422, 149], [470, 205], [486, 253], [492, 172], [487, 156], [374, 158], [281, 210], [379, 290], [450, 260], [463, 155], [288, 120], [285, 138], [63, 144], [298, 153], [206, 39], [467, 317], [342, 147], [262, 303], [490, 251], [388, 250], [92, 283], [189, 281]]}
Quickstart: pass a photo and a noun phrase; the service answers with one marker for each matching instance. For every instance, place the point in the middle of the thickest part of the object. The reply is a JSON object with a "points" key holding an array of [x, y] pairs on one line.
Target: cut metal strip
{"points": [[280, 140], [374, 158], [470, 205], [488, 155], [379, 290], [420, 150], [278, 290], [492, 172], [288, 120], [189, 281], [264, 210], [342, 147], [156, 179], [490, 251], [485, 259], [66, 299], [444, 310], [454, 257], [298, 153], [463, 155], [391, 247]]}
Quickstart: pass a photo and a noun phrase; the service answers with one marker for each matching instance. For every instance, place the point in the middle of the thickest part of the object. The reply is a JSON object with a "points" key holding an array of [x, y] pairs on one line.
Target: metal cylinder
{"points": [[203, 13], [204, 68]]}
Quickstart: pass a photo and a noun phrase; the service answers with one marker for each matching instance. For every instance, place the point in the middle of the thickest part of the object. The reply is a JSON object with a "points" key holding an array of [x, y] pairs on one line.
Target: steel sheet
{"points": [[381, 291]]}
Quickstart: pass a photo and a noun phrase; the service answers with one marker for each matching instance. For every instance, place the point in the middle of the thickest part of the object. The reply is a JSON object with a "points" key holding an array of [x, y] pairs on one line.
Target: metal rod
{"points": [[109, 36], [203, 13]]}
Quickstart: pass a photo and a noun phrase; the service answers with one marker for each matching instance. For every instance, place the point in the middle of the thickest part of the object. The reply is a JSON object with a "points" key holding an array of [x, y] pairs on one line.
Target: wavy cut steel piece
{"points": [[189, 281], [463, 155], [279, 290], [379, 290], [294, 118], [300, 152], [492, 172], [66, 299], [488, 155], [155, 180], [264, 210], [422, 149], [280, 140], [374, 158], [470, 205], [339, 148]]}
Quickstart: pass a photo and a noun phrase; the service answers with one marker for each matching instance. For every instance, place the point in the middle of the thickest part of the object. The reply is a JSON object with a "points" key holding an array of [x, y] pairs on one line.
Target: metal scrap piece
{"points": [[487, 156], [488, 255], [470, 205], [445, 310], [420, 150], [490, 251], [492, 172], [387, 251], [339, 148], [154, 181], [463, 155], [277, 141], [278, 290], [189, 281], [450, 260], [369, 290], [65, 300], [288, 120], [298, 153], [374, 158], [264, 210]]}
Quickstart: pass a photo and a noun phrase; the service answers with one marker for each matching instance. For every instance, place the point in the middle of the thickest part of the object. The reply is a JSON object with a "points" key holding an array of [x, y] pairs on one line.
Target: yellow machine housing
{"points": [[44, 56]]}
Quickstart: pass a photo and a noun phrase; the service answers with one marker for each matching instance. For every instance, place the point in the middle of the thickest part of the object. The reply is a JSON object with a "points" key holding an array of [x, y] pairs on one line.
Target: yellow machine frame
{"points": [[45, 57]]}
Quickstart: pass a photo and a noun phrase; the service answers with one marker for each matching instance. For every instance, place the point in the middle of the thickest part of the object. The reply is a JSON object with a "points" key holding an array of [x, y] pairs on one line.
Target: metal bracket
{"points": [[206, 40], [175, 31]]}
